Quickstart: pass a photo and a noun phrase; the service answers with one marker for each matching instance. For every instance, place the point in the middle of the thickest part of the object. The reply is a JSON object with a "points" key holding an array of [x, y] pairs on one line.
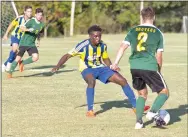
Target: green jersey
{"points": [[145, 40], [28, 39]]}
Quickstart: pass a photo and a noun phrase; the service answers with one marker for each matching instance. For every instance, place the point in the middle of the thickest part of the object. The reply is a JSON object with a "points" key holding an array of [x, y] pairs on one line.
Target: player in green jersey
{"points": [[146, 42], [32, 30]]}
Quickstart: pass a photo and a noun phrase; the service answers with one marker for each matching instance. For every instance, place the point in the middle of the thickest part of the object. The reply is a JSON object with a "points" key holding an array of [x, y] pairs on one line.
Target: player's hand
{"points": [[31, 29], [55, 69], [114, 67], [5, 37], [38, 43]]}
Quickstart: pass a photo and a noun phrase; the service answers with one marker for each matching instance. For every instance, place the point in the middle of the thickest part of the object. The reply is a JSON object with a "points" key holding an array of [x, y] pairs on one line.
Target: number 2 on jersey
{"points": [[142, 37]]}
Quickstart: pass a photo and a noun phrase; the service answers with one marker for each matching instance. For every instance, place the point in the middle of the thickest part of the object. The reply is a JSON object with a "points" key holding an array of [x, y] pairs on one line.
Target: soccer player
{"points": [[27, 43], [92, 52], [146, 42], [16, 35]]}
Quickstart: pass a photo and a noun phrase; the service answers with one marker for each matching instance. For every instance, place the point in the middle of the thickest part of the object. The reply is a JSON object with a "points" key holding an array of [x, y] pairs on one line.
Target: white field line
{"points": [[165, 65]]}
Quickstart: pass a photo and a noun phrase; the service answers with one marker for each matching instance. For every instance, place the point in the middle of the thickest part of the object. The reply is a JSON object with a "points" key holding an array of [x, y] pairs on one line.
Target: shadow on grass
{"points": [[105, 106], [46, 74], [42, 67], [175, 114]]}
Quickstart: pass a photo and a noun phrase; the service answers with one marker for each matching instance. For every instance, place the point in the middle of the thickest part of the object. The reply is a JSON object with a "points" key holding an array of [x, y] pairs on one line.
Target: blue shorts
{"points": [[102, 73], [14, 40]]}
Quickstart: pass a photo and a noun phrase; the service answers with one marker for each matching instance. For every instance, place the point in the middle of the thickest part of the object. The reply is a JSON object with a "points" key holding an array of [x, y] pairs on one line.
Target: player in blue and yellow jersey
{"points": [[16, 35], [93, 52]]}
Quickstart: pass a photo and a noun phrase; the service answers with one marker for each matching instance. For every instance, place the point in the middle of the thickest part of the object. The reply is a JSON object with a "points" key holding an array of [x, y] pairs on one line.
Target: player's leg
{"points": [[12, 55], [107, 75], [140, 85], [88, 75], [120, 80], [33, 57], [159, 86], [140, 103], [19, 56]]}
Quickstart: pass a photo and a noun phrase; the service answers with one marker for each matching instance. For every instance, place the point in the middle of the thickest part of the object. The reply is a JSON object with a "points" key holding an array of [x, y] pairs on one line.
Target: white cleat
{"points": [[3, 68], [139, 125], [150, 115], [8, 66]]}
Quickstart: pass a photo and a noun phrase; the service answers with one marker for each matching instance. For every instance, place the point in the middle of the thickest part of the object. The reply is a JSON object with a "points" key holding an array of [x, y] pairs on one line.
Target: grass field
{"points": [[34, 105]]}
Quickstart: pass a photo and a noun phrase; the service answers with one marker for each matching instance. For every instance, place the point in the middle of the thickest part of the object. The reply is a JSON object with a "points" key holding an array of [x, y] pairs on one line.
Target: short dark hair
{"points": [[94, 28], [148, 13], [39, 10], [27, 7]]}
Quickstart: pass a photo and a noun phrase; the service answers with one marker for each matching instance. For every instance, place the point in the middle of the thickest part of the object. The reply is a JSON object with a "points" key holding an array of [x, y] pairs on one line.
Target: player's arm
{"points": [[159, 52], [107, 62], [62, 61], [41, 33], [105, 57], [159, 59], [11, 25], [27, 27], [124, 45], [23, 28], [66, 57], [120, 52]]}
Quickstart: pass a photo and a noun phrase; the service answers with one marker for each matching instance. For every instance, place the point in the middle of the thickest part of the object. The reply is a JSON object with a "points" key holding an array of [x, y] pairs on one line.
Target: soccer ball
{"points": [[164, 115]]}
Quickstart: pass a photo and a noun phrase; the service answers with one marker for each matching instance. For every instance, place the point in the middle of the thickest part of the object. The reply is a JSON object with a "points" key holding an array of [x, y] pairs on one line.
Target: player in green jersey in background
{"points": [[32, 30], [146, 42]]}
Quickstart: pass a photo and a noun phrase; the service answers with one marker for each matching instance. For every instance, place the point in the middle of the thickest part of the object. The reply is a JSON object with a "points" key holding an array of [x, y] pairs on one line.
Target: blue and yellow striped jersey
{"points": [[19, 21], [90, 56]]}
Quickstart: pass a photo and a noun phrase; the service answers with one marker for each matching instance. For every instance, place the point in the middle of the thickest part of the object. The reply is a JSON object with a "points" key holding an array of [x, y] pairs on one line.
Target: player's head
{"points": [[28, 11], [148, 14], [39, 14], [95, 34]]}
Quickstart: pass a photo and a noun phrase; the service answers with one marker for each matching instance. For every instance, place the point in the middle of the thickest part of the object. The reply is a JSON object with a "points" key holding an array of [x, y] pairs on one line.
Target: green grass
{"points": [[34, 105]]}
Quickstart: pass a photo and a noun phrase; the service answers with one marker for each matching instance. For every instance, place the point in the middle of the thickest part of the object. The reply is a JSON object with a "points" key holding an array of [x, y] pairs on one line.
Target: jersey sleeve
{"points": [[127, 39], [105, 53], [77, 50], [15, 22], [161, 43]]}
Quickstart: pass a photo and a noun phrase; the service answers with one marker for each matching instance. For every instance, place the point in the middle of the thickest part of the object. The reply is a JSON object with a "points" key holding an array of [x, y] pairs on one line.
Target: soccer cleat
{"points": [[139, 125], [3, 68], [9, 75], [90, 113], [146, 108], [8, 66], [134, 110], [150, 115], [21, 67]]}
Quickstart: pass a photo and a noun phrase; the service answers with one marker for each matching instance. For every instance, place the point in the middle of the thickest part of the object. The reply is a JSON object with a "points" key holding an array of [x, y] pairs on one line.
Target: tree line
{"points": [[112, 16]]}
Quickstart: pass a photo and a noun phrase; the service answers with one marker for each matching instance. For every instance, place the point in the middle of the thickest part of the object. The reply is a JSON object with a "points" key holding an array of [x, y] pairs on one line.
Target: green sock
{"points": [[13, 66], [140, 103], [28, 61], [159, 102]]}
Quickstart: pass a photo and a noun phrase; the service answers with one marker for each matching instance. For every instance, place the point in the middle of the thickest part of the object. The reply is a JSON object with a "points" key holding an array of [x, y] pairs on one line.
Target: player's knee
{"points": [[121, 80], [14, 47], [91, 83], [143, 93], [165, 91], [35, 58], [18, 58]]}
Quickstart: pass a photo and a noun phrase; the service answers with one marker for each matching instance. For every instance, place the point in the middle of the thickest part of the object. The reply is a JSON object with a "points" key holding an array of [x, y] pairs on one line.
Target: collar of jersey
{"points": [[38, 22], [92, 45], [146, 24]]}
